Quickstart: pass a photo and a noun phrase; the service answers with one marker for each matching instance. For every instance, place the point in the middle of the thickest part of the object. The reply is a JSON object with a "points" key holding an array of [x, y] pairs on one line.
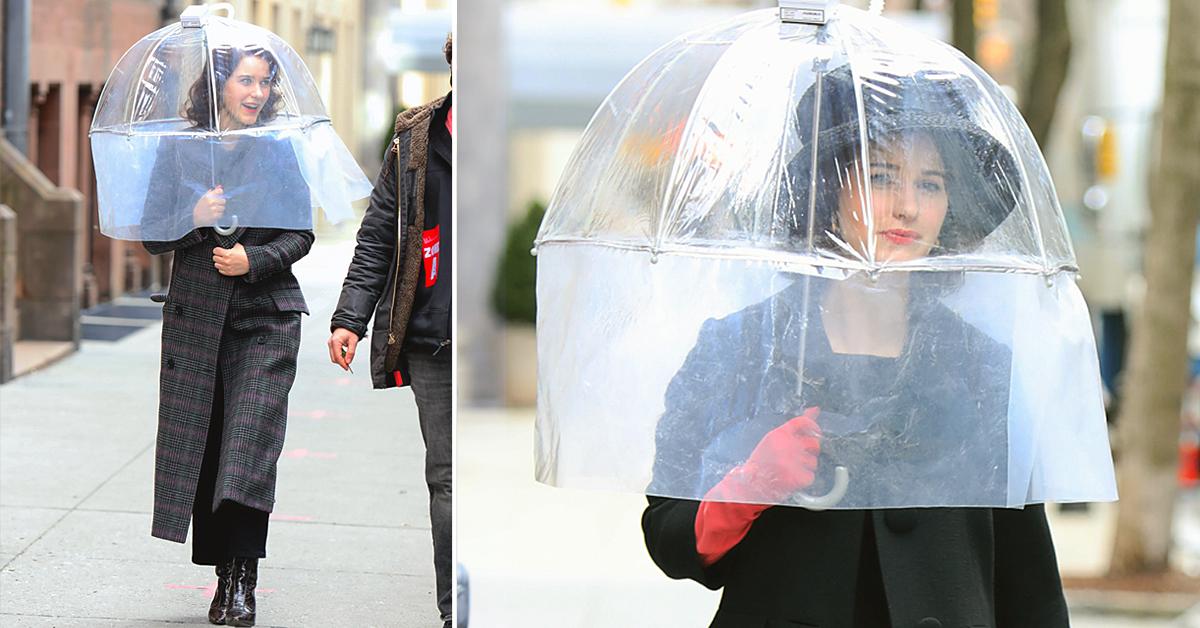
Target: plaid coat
{"points": [[245, 328]]}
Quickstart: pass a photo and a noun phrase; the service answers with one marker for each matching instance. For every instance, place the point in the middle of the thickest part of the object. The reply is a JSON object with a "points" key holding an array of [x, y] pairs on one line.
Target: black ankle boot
{"points": [[241, 599], [220, 603]]}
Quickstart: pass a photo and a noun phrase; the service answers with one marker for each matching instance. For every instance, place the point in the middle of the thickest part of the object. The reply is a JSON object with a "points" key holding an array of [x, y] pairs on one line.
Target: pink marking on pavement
{"points": [[208, 590], [319, 415], [304, 453], [343, 381], [279, 517]]}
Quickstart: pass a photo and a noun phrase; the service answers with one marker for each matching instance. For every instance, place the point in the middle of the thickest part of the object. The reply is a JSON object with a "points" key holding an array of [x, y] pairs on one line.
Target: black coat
{"points": [[872, 569], [389, 276], [853, 568]]}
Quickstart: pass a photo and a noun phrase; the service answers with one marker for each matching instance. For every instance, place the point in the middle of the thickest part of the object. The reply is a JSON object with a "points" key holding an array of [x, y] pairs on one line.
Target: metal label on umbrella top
{"points": [[806, 11]]}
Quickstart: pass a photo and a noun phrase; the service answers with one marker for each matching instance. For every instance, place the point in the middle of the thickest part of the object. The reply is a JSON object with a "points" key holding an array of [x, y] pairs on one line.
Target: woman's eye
{"points": [[932, 187], [244, 81], [881, 179]]}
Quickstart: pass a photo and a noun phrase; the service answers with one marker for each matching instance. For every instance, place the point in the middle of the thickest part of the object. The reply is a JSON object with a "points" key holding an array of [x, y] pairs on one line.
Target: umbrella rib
{"points": [[128, 104], [1027, 189], [864, 157], [780, 175]]}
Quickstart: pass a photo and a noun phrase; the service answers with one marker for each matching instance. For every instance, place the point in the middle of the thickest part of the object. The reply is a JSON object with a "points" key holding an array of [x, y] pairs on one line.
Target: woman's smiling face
{"points": [[907, 195], [245, 93]]}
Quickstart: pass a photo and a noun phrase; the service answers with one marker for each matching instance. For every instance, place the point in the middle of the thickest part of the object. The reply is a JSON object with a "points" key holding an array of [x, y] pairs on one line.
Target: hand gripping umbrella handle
{"points": [[841, 481], [227, 230]]}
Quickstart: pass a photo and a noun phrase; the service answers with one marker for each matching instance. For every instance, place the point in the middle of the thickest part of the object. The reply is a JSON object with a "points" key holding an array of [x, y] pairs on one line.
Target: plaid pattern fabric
{"points": [[249, 326]]}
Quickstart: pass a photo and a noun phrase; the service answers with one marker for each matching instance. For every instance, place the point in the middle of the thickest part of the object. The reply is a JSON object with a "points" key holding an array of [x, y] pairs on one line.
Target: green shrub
{"points": [[389, 130], [514, 293]]}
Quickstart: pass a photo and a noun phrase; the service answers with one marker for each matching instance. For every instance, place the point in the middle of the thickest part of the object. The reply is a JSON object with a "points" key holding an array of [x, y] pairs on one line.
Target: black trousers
{"points": [[430, 376], [233, 530]]}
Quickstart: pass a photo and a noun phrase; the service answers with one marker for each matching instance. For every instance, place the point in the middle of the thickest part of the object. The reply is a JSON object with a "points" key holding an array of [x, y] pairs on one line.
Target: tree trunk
{"points": [[1051, 56], [1149, 422], [963, 25]]}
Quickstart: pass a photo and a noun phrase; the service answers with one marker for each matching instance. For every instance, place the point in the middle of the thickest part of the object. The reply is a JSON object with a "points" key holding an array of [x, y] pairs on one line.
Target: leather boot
{"points": [[220, 601], [241, 599]]}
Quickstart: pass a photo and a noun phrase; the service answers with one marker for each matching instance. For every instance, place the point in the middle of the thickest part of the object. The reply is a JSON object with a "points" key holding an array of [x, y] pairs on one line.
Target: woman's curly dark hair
{"points": [[225, 59]]}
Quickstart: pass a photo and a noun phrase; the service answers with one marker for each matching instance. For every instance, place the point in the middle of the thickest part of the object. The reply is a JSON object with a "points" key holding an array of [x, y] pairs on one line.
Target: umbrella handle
{"points": [[227, 230], [841, 481]]}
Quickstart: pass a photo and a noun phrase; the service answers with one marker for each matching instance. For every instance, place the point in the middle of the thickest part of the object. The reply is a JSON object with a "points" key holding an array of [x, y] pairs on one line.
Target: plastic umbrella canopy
{"points": [[215, 106], [848, 223]]}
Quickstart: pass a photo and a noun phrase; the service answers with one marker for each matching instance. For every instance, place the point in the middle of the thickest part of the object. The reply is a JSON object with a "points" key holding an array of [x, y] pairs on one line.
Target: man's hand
{"points": [[231, 262], [210, 208], [342, 343]]}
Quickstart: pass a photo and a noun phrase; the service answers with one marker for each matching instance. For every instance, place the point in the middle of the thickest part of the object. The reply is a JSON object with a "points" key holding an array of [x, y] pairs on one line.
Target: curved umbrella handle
{"points": [[227, 230], [841, 481]]}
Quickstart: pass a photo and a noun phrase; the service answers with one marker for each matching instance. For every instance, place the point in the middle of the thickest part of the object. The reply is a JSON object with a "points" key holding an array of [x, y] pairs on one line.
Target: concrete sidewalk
{"points": [[349, 543], [541, 556]]}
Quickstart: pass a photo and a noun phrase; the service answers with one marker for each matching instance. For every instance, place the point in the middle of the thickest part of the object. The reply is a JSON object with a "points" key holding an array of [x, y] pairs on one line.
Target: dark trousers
{"points": [[234, 530], [1113, 335], [430, 379]]}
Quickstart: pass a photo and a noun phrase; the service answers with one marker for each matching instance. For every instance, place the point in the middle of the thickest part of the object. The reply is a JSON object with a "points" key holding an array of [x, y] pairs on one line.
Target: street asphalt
{"points": [[349, 541]]}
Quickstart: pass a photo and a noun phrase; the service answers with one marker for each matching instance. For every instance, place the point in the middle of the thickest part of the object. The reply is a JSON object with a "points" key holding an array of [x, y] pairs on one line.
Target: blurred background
{"points": [[1088, 75]]}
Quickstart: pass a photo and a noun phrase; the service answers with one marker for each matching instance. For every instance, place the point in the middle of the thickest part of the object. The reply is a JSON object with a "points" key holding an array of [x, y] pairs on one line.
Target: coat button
{"points": [[901, 522], [178, 309], [262, 340], [929, 622], [170, 363]]}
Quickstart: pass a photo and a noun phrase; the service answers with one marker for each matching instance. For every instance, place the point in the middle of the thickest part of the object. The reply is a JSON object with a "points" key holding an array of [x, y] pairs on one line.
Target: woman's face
{"points": [[245, 93], [908, 198]]}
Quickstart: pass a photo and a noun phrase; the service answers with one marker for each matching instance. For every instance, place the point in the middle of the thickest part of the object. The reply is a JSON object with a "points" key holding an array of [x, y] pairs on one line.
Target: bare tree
{"points": [[1051, 56], [1149, 424]]}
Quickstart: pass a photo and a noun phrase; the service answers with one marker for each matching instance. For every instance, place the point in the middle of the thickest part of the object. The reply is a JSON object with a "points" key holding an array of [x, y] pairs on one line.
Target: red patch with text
{"points": [[431, 241]]}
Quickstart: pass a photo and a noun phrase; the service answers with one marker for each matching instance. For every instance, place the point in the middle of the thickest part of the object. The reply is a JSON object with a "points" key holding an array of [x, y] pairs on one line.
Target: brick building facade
{"points": [[74, 44]]}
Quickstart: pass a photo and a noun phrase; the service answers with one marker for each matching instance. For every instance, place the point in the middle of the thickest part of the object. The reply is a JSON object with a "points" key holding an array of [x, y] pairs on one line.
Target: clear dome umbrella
{"points": [[847, 222], [212, 109]]}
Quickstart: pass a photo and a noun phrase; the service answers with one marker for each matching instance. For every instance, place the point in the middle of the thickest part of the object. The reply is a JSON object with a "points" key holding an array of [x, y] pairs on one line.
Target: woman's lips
{"points": [[900, 236]]}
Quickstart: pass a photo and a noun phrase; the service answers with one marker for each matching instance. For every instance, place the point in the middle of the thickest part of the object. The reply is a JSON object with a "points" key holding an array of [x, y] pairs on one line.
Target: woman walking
{"points": [[893, 380], [231, 325]]}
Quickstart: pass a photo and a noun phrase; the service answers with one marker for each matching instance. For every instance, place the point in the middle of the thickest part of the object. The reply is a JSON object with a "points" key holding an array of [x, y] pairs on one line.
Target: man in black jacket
{"points": [[401, 272]]}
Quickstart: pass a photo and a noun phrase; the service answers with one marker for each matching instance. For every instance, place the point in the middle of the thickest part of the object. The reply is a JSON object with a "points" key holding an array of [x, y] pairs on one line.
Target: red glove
{"points": [[783, 462]]}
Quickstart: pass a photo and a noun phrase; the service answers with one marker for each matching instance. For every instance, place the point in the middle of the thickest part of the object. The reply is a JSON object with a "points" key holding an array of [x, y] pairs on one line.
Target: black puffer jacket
{"points": [[401, 267]]}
